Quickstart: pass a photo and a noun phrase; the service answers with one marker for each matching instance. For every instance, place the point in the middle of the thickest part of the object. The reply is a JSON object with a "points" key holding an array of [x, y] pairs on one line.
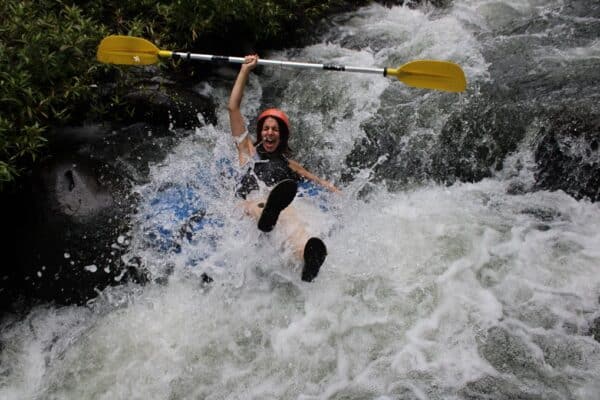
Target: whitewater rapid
{"points": [[429, 292]]}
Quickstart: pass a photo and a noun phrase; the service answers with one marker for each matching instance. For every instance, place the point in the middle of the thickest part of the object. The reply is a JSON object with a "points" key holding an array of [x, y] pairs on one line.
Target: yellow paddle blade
{"points": [[428, 74], [127, 50]]}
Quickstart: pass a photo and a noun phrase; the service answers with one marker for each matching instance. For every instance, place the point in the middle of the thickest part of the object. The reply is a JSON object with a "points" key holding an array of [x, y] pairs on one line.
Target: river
{"points": [[432, 289]]}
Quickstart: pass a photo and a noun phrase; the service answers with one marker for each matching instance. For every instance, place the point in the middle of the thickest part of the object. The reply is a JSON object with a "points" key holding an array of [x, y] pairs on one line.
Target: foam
{"points": [[424, 292]]}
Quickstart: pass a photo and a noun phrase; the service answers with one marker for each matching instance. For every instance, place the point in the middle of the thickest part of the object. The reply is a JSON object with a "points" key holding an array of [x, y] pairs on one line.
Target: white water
{"points": [[435, 292]]}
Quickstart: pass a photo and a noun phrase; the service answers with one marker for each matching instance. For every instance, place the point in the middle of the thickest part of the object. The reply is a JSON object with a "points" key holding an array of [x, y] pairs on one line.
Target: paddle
{"points": [[428, 74]]}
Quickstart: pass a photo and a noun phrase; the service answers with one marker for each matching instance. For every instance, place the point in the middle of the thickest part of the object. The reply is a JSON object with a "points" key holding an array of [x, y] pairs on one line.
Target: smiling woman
{"points": [[479, 289], [269, 164], [273, 130]]}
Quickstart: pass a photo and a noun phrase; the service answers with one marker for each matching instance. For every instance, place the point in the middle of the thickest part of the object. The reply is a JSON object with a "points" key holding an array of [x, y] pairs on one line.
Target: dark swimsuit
{"points": [[271, 168]]}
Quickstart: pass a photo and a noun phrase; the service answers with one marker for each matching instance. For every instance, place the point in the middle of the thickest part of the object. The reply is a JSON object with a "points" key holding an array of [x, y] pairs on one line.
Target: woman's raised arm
{"points": [[236, 120]]}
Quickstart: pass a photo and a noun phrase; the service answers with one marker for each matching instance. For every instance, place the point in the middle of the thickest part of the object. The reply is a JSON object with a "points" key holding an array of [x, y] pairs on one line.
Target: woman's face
{"points": [[270, 135]]}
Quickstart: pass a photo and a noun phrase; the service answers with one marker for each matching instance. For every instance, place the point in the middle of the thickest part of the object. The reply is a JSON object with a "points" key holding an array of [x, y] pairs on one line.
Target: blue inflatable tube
{"points": [[178, 213]]}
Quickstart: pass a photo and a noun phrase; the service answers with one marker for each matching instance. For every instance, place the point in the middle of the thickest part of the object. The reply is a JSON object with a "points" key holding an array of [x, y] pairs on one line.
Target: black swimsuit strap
{"points": [[273, 169], [264, 155]]}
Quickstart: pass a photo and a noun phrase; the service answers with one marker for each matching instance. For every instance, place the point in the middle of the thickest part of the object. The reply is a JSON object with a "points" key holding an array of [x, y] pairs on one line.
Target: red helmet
{"points": [[276, 113]]}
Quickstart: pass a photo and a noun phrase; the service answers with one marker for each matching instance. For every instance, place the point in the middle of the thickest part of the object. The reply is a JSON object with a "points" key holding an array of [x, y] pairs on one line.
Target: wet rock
{"points": [[471, 146], [474, 142], [65, 233], [167, 104], [583, 8], [66, 229], [71, 137], [72, 189], [148, 95], [516, 187], [567, 154], [544, 214], [389, 151], [415, 3], [595, 329], [130, 149]]}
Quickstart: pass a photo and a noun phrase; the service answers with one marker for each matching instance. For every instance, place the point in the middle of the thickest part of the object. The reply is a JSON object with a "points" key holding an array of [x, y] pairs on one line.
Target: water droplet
{"points": [[91, 268]]}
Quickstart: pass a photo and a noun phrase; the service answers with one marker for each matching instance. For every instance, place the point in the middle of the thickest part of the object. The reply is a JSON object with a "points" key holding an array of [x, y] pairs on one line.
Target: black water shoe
{"points": [[280, 197], [314, 256]]}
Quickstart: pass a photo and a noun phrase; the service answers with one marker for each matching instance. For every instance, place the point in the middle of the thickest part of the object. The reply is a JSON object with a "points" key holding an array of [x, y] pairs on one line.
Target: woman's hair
{"points": [[284, 135]]}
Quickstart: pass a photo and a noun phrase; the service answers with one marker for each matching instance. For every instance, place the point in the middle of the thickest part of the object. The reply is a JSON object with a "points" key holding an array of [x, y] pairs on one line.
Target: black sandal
{"points": [[315, 253], [280, 197]]}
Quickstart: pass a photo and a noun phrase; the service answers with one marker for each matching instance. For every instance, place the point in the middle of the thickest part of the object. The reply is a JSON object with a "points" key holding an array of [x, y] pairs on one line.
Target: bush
{"points": [[46, 62], [264, 23], [195, 24]]}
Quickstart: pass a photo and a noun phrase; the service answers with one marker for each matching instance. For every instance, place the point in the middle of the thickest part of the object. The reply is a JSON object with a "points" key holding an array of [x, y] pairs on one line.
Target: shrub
{"points": [[46, 62], [264, 23]]}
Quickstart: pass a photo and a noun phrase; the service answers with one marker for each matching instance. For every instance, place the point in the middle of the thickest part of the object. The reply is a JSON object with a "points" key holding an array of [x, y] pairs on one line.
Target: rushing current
{"points": [[431, 289]]}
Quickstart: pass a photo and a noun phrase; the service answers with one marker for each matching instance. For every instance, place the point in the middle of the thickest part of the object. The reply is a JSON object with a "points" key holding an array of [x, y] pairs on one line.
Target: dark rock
{"points": [[595, 329], [66, 229], [583, 8], [168, 105], [388, 149], [544, 214], [67, 234], [72, 189], [415, 3], [475, 141], [473, 144], [71, 137], [130, 149], [206, 279], [147, 95], [516, 188], [567, 154]]}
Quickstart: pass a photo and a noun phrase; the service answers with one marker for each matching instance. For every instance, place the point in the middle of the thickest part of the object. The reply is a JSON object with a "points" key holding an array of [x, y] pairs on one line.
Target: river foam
{"points": [[431, 292]]}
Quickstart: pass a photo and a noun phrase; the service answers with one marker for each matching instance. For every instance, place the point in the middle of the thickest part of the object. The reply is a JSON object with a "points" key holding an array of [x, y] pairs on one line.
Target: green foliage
{"points": [[45, 66], [264, 23], [47, 53], [146, 18]]}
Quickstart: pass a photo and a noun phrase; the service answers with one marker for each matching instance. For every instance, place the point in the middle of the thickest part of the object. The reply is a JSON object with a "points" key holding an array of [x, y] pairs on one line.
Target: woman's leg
{"points": [[311, 250], [289, 223], [295, 231], [277, 208]]}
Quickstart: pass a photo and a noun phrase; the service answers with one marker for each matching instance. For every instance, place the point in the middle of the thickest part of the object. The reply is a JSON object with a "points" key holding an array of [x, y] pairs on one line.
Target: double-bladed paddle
{"points": [[427, 74]]}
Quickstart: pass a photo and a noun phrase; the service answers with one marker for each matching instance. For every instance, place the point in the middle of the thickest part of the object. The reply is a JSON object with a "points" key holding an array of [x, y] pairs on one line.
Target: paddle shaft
{"points": [[240, 60]]}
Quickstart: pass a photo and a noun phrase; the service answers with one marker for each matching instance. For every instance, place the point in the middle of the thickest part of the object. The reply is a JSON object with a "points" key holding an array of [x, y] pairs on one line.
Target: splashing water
{"points": [[429, 292]]}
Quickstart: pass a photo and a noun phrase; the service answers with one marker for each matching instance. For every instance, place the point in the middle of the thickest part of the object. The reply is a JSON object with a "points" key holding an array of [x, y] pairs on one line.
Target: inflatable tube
{"points": [[179, 213]]}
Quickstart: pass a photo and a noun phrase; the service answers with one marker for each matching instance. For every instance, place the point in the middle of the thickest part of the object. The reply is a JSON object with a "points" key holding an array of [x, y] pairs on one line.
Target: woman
{"points": [[271, 166]]}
